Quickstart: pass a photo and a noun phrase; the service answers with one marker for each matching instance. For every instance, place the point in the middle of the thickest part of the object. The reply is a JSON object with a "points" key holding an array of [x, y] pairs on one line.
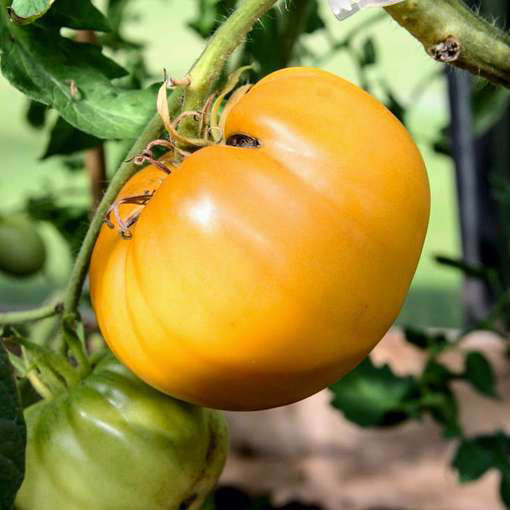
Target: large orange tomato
{"points": [[257, 276]]}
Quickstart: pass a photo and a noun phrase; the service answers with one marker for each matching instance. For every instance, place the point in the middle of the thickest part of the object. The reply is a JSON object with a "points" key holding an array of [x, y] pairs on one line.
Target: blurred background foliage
{"points": [[45, 178]]}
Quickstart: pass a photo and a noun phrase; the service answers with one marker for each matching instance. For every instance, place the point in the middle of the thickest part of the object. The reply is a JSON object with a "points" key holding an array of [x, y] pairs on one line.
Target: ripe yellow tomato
{"points": [[257, 276]]}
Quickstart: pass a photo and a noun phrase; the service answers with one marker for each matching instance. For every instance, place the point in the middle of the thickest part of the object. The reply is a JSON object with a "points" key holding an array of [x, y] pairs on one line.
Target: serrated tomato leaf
{"points": [[73, 78], [373, 396], [12, 434]]}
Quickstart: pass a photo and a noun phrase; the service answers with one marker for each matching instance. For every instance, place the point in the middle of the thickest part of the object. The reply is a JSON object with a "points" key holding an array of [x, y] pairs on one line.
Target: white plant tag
{"points": [[344, 8]]}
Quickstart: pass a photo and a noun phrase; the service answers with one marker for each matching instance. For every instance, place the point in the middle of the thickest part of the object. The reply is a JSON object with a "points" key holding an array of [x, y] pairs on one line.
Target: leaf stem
{"points": [[452, 33], [42, 312]]}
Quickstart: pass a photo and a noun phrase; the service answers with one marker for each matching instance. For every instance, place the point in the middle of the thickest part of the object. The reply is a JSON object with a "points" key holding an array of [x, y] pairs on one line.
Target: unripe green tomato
{"points": [[22, 250], [113, 443]]}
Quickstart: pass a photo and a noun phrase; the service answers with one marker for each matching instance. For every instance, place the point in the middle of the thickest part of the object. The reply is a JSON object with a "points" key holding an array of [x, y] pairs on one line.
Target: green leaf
{"points": [[314, 21], [419, 338], [393, 104], [472, 461], [27, 11], [82, 15], [75, 79], [12, 434], [36, 114], [476, 456], [368, 53], [479, 373], [373, 396], [438, 399], [471, 270], [436, 375], [66, 139], [117, 11]]}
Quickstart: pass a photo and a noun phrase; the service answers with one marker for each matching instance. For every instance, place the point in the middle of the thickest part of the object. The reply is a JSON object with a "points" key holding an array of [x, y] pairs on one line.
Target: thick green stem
{"points": [[227, 38], [43, 312], [452, 33]]}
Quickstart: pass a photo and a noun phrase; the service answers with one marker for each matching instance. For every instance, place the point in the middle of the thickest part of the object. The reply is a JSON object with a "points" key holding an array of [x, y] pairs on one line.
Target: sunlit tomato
{"points": [[114, 443], [22, 250], [257, 276]]}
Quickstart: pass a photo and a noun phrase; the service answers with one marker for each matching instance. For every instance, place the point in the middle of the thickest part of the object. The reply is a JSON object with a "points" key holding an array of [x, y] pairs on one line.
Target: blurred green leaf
{"points": [[393, 103], [471, 270], [12, 434], [438, 399], [474, 457], [27, 11], [314, 21], [373, 396], [479, 373], [36, 114], [436, 375], [66, 139], [472, 461], [368, 52], [434, 343], [117, 13], [82, 15]]}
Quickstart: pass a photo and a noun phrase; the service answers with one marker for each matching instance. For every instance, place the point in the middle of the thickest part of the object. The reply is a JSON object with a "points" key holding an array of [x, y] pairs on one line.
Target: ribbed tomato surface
{"points": [[257, 276]]}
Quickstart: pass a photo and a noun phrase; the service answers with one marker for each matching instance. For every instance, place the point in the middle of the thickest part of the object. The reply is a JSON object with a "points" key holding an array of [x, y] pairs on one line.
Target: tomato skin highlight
{"points": [[114, 443], [257, 276]]}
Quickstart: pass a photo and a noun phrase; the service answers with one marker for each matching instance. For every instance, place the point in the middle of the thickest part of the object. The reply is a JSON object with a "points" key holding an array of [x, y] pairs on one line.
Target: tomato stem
{"points": [[43, 312], [452, 33], [208, 67]]}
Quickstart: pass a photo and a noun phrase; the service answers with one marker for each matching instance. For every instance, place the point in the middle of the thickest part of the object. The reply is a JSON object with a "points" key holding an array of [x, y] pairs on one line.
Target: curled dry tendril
{"points": [[127, 223], [210, 129]]}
